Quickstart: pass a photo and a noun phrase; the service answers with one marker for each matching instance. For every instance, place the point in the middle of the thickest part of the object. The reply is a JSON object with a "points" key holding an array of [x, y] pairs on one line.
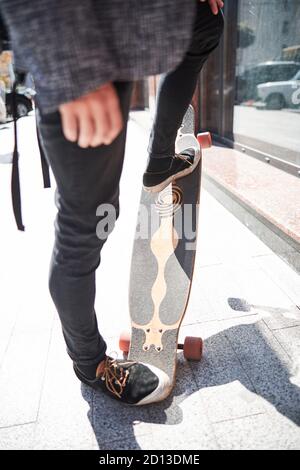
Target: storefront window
{"points": [[267, 92]]}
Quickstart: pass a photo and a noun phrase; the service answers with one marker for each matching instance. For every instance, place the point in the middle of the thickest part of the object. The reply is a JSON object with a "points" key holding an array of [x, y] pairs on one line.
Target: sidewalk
{"points": [[243, 395]]}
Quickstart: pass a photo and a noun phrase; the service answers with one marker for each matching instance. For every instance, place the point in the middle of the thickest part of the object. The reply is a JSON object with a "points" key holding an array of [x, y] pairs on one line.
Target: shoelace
{"points": [[114, 376], [179, 156]]}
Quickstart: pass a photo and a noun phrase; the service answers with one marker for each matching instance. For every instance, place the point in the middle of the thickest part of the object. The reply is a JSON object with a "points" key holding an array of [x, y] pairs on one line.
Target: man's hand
{"points": [[93, 119], [215, 5]]}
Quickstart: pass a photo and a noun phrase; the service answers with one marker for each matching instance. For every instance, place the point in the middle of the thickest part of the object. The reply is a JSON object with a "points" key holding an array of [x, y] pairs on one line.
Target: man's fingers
{"points": [[86, 128], [215, 5], [107, 127], [114, 116], [101, 125], [69, 124], [108, 120], [93, 119]]}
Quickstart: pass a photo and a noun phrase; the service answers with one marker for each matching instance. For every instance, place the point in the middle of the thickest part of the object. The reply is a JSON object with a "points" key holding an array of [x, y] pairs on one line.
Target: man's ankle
{"points": [[90, 371], [159, 164]]}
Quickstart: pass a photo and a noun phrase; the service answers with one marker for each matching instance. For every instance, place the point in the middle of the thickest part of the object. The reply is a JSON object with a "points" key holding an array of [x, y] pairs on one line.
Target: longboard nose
{"points": [[205, 140]]}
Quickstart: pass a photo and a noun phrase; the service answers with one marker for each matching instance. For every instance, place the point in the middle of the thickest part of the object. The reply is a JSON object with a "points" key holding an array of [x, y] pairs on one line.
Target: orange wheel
{"points": [[124, 342], [204, 140], [193, 348]]}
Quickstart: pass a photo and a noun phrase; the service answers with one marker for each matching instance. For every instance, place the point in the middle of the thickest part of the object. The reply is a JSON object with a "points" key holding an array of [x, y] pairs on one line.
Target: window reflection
{"points": [[267, 99]]}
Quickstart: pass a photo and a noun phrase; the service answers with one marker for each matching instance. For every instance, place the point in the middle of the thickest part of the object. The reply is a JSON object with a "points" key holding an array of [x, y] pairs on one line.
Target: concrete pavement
{"points": [[245, 303]]}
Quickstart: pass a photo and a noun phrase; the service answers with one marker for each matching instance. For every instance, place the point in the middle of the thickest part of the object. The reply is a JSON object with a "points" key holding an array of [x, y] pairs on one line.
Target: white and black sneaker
{"points": [[130, 382], [161, 172]]}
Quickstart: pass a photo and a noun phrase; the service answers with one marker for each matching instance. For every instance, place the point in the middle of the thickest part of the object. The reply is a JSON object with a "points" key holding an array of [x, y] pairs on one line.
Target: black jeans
{"points": [[176, 88], [88, 178]]}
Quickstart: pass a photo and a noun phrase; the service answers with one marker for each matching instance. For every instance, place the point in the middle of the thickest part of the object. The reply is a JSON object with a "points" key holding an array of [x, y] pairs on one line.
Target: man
{"points": [[84, 56]]}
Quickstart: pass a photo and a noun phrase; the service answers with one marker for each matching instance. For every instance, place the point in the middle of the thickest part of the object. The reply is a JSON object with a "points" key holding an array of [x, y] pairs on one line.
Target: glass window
{"points": [[267, 99]]}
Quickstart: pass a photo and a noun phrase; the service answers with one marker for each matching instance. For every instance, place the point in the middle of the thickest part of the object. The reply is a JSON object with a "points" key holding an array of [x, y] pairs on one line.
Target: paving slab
{"points": [[261, 432], [223, 384], [22, 372], [289, 339], [285, 277], [230, 291], [267, 365], [63, 421], [18, 437]]}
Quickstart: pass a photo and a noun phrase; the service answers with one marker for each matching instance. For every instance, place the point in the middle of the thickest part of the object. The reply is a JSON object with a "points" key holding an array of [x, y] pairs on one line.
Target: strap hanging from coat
{"points": [[15, 177], [44, 163]]}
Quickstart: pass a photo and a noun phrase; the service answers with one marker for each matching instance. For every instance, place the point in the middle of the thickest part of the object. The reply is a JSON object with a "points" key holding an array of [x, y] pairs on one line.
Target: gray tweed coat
{"points": [[73, 46]]}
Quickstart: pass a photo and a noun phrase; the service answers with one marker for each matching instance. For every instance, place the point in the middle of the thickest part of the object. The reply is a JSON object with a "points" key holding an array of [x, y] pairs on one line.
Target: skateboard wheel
{"points": [[193, 348], [124, 342], [204, 140]]}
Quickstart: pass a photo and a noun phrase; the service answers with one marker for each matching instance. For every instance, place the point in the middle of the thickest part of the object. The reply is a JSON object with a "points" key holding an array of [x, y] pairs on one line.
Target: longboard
{"points": [[163, 263]]}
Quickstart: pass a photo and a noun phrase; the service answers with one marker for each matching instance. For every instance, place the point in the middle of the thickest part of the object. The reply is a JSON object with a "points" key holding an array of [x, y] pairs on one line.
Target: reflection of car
{"points": [[24, 101], [262, 73], [278, 95]]}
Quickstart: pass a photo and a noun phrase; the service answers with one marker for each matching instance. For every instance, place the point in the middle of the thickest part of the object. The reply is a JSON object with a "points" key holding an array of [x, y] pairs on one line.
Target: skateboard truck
{"points": [[192, 347], [153, 338], [154, 333]]}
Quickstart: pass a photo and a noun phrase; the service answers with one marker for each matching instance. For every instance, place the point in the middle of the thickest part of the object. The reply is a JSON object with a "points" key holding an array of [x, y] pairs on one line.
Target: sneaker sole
{"points": [[161, 186]]}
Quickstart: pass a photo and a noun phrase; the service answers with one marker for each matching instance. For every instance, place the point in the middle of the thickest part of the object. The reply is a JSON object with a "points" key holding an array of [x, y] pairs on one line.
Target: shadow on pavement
{"points": [[116, 426]]}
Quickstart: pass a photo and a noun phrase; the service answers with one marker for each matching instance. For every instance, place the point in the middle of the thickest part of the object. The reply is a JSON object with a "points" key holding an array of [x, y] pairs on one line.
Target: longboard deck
{"points": [[163, 263]]}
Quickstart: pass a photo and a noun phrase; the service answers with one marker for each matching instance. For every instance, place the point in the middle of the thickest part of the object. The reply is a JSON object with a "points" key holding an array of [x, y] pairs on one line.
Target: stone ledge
{"points": [[271, 193], [262, 197]]}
